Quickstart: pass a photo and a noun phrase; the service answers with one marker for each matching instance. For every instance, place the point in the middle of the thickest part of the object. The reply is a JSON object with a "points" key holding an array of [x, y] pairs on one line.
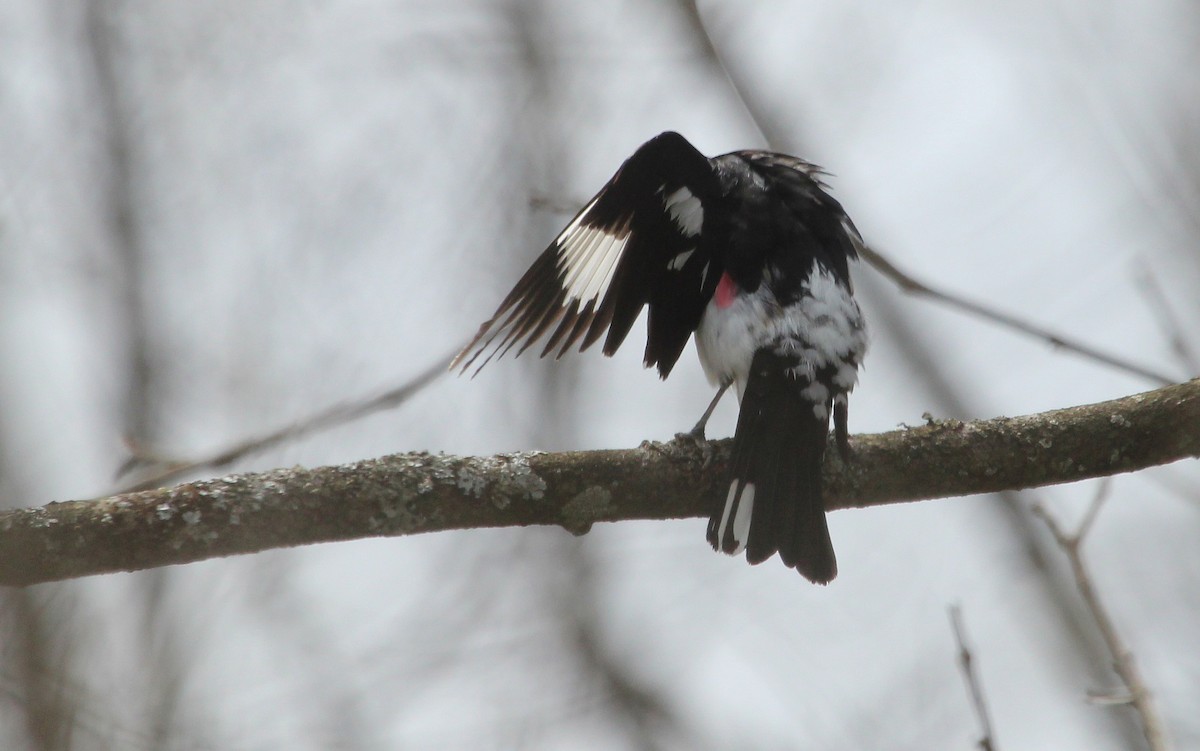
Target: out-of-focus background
{"points": [[218, 217]]}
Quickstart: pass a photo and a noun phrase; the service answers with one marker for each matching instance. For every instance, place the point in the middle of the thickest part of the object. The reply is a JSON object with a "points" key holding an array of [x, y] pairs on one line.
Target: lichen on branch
{"points": [[405, 494]]}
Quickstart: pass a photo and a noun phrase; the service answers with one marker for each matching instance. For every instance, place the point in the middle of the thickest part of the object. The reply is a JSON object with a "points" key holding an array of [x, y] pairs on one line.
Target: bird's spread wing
{"points": [[637, 242]]}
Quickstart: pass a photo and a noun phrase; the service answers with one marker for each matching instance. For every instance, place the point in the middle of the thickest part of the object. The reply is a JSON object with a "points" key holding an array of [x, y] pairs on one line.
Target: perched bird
{"points": [[747, 252]]}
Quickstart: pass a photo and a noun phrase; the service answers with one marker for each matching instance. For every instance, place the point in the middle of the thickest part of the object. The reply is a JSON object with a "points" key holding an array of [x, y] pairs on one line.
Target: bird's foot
{"points": [[696, 440]]}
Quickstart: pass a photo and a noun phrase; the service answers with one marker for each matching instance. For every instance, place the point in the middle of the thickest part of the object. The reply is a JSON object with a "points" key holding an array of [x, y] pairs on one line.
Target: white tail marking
{"points": [[741, 520]]}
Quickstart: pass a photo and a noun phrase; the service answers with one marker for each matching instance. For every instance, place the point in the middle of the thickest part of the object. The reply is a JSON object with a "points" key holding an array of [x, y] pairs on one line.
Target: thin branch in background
{"points": [[634, 704], [966, 661], [1168, 322], [290, 626], [774, 132], [554, 204], [123, 212], [165, 668], [41, 660], [1055, 583], [1136, 693], [913, 286], [164, 470], [777, 133]]}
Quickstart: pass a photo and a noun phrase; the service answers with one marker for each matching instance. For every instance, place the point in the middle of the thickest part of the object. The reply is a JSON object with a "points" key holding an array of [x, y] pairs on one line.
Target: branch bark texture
{"points": [[412, 493]]}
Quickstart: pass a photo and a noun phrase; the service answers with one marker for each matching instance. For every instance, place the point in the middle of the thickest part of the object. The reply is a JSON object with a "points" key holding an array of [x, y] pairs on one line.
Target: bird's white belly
{"points": [[727, 338], [823, 329]]}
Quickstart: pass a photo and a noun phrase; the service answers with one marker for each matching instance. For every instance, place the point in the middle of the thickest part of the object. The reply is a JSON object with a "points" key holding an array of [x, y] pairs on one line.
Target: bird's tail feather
{"points": [[774, 503]]}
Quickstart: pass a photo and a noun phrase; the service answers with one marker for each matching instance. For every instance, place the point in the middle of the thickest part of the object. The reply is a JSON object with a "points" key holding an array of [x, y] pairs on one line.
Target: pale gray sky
{"points": [[323, 198]]}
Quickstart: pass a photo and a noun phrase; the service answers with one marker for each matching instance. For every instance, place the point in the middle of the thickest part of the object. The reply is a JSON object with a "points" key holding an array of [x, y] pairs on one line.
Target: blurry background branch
{"points": [[413, 493], [946, 394], [154, 471], [1136, 693], [913, 286], [966, 662], [775, 132], [218, 218]]}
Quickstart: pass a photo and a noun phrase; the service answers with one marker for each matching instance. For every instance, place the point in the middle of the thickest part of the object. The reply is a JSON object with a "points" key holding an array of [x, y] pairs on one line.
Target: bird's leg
{"points": [[841, 430], [695, 436], [697, 432]]}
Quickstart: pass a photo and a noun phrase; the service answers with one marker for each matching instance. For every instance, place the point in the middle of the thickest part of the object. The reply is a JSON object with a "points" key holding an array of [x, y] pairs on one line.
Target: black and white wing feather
{"points": [[638, 242]]}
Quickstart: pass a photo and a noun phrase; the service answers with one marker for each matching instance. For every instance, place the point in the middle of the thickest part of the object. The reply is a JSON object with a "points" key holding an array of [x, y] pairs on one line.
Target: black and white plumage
{"points": [[747, 252]]}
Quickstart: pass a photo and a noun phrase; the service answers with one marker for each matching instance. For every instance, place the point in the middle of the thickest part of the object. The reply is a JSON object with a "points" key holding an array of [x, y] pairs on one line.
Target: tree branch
{"points": [[1124, 663], [407, 494], [966, 661]]}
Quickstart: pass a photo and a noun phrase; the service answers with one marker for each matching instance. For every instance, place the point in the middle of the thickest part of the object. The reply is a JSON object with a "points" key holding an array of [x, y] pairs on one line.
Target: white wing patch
{"points": [[587, 258], [678, 261], [685, 211]]}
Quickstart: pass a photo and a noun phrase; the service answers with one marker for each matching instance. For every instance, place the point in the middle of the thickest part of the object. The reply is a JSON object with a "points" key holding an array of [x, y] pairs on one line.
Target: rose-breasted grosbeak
{"points": [[749, 253]]}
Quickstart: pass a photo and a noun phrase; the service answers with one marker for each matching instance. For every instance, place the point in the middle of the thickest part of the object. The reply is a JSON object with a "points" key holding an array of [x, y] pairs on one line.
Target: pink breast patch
{"points": [[727, 291]]}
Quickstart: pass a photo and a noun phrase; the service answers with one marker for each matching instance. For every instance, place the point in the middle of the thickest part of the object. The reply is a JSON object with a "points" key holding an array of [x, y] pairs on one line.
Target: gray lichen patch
{"points": [[581, 511], [471, 481], [397, 516], [501, 479], [1120, 420], [399, 509]]}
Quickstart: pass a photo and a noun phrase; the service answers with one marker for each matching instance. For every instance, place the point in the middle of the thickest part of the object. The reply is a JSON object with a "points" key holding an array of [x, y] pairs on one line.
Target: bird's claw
{"points": [[696, 439]]}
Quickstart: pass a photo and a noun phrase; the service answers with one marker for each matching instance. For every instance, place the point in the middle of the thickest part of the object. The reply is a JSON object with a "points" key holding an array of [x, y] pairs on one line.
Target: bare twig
{"points": [[1054, 585], [554, 204], [913, 286], [780, 134], [330, 417], [1135, 690], [774, 131], [635, 704], [1168, 322], [967, 662], [414, 493]]}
